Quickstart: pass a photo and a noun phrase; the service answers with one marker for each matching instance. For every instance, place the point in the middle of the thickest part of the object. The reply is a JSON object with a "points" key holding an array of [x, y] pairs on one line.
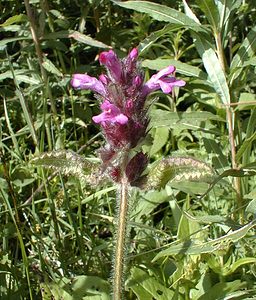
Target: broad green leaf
{"points": [[162, 13], [246, 52], [85, 39], [14, 20], [213, 68], [147, 287], [193, 246], [50, 67], [183, 68], [160, 137], [188, 120], [250, 62], [187, 226], [191, 187], [79, 288], [147, 203], [211, 12], [222, 289]]}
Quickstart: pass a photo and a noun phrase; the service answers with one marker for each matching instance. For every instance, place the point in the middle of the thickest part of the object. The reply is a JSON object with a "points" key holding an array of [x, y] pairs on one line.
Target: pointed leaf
{"points": [[162, 13], [182, 68], [187, 120], [177, 169], [211, 12], [50, 67], [85, 39], [213, 68], [66, 162], [154, 36], [193, 246], [246, 51]]}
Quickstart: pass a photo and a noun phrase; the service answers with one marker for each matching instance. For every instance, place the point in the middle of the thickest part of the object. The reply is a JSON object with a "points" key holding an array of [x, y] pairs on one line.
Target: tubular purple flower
{"points": [[86, 82], [111, 61], [110, 114], [163, 81], [133, 55]]}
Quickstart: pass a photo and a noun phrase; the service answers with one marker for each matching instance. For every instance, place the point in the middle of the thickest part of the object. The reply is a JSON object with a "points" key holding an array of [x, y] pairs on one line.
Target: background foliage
{"points": [[189, 240]]}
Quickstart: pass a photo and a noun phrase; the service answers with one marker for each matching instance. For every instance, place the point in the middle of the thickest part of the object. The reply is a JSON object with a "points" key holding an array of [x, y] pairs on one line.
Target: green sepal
{"points": [[176, 169]]}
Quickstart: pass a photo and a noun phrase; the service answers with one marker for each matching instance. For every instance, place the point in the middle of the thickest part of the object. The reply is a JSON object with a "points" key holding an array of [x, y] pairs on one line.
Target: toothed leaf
{"points": [[67, 162], [176, 169]]}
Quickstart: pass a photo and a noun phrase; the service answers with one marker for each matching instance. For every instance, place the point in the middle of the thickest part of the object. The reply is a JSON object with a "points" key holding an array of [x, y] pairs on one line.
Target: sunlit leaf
{"points": [[162, 13]]}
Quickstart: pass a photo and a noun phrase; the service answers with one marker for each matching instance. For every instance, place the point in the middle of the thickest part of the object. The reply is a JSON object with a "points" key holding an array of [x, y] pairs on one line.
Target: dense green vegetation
{"points": [[194, 237]]}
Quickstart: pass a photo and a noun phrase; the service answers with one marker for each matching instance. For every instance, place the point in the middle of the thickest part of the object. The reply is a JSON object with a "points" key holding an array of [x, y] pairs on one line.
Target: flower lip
{"points": [[163, 81], [86, 82], [112, 62], [110, 114]]}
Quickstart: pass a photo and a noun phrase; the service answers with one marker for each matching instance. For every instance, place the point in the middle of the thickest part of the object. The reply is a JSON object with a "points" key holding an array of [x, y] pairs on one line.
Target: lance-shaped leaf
{"points": [[67, 163], [192, 246], [176, 169]]}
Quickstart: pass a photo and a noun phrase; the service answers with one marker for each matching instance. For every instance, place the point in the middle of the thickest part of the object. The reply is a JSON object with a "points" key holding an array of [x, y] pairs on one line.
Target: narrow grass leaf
{"points": [[154, 36], [27, 116], [82, 38]]}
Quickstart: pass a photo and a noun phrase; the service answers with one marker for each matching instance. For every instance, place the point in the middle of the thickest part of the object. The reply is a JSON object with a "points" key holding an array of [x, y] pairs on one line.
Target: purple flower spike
{"points": [[86, 82], [111, 114], [163, 81], [111, 61]]}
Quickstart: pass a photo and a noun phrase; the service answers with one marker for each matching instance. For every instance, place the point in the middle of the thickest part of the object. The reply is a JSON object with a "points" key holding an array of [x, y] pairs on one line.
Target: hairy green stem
{"points": [[121, 235]]}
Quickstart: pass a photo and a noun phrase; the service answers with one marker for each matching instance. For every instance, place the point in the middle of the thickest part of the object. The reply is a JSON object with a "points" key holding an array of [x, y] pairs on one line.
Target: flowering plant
{"points": [[124, 117], [124, 120]]}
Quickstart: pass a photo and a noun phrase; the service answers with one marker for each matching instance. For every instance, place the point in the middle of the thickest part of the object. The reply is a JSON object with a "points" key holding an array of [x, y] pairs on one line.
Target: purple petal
{"points": [[111, 61], [133, 55], [164, 72], [121, 119], [111, 114], [86, 82]]}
